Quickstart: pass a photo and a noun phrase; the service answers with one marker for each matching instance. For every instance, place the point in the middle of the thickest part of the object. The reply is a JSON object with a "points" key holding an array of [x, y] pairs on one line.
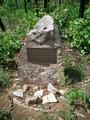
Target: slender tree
{"points": [[29, 2], [2, 25], [60, 1], [25, 6], [45, 4], [1, 1], [82, 8], [36, 2]]}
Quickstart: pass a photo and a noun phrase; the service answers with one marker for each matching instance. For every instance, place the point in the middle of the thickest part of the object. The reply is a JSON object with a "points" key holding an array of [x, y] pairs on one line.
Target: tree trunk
{"points": [[28, 0], [82, 8], [45, 4], [36, 2], [86, 2], [25, 6], [2, 25], [60, 1], [1, 1], [29, 4]]}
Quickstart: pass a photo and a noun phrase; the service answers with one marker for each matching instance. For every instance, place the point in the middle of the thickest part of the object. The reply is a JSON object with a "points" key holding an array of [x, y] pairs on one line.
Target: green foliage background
{"points": [[72, 28], [17, 25]]}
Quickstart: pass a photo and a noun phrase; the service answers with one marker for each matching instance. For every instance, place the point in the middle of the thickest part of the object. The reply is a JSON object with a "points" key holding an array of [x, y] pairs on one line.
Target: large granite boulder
{"points": [[45, 31]]}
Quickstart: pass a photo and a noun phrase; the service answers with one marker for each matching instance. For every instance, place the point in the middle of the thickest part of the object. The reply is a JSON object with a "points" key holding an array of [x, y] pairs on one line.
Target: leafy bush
{"points": [[18, 24], [5, 115], [88, 58], [46, 116], [78, 33], [63, 15], [4, 78], [70, 116], [72, 28], [60, 16], [73, 70], [8, 45], [73, 74], [77, 95]]}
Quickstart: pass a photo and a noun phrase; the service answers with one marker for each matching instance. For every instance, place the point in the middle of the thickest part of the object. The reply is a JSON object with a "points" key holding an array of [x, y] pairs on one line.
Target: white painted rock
{"points": [[35, 88], [25, 88], [49, 99], [18, 93], [62, 98], [17, 102], [51, 88], [38, 93], [17, 79], [62, 91]]}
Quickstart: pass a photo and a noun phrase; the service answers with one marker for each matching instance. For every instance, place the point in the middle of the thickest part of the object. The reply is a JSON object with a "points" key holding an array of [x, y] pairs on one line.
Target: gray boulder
{"points": [[44, 31]]}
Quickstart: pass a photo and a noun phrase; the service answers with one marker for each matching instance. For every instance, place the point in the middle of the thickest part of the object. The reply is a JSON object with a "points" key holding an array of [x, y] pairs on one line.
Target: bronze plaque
{"points": [[42, 55]]}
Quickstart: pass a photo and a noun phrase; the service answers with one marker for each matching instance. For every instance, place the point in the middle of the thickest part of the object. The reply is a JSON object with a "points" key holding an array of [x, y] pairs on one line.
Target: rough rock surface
{"points": [[38, 93], [44, 31], [18, 93], [44, 35], [25, 88], [51, 88], [50, 98]]}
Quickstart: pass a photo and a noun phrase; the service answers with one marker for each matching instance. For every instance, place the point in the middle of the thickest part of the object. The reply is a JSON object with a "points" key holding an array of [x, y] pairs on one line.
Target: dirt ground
{"points": [[20, 113]]}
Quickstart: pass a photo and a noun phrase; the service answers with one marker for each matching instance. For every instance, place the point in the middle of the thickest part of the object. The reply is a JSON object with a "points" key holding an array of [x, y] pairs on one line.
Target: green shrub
{"points": [[73, 74], [46, 116], [5, 115], [4, 78], [78, 33], [60, 16], [73, 70], [17, 24], [63, 15], [70, 116], [77, 95], [72, 28], [88, 58], [8, 45]]}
